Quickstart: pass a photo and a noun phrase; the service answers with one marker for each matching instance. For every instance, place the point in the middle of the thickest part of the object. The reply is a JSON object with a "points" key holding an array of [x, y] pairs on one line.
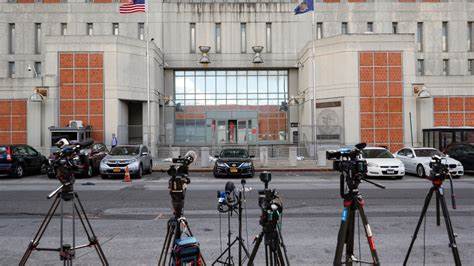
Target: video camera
{"points": [[438, 168], [179, 180], [348, 159], [270, 203]]}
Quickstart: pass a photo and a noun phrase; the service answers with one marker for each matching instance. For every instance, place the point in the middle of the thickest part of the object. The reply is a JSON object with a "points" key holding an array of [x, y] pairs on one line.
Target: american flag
{"points": [[132, 6]]}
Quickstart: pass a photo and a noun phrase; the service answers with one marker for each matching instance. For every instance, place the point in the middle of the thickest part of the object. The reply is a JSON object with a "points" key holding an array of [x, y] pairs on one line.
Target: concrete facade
{"points": [[337, 57]]}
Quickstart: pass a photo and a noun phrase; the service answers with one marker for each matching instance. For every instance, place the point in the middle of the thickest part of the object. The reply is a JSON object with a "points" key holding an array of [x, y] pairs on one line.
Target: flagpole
{"points": [[147, 38], [313, 107]]}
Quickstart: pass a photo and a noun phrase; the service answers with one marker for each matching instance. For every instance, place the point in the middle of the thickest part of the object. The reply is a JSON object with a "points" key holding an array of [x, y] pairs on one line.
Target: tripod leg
{"points": [[438, 217], [88, 229], [255, 249], [170, 231], [282, 243], [423, 213], [368, 234], [34, 243], [449, 228], [350, 236], [342, 235]]}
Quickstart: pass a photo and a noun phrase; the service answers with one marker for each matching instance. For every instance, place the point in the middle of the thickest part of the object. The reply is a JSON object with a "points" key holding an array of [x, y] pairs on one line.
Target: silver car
{"points": [[135, 157], [417, 161]]}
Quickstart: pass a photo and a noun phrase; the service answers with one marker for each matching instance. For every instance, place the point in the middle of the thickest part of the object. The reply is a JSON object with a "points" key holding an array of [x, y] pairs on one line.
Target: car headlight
{"points": [[132, 160], [459, 164], [221, 164], [247, 164], [372, 165]]}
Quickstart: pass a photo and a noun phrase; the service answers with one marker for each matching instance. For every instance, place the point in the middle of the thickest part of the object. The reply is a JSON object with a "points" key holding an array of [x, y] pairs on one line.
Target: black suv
{"points": [[234, 162], [463, 152], [17, 160]]}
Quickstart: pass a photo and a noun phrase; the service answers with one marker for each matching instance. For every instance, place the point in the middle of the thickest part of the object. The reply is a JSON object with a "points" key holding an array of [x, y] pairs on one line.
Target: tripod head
{"points": [[179, 180], [440, 172], [270, 204], [353, 169]]}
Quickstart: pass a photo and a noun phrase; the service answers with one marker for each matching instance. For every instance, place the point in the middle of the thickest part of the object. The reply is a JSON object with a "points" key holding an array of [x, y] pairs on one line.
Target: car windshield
{"points": [[427, 152], [376, 153], [124, 150], [234, 153]]}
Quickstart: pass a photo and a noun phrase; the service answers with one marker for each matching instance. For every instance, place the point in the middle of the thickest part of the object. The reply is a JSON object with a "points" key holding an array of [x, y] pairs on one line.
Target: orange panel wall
{"points": [[13, 128], [82, 90], [453, 111], [381, 104]]}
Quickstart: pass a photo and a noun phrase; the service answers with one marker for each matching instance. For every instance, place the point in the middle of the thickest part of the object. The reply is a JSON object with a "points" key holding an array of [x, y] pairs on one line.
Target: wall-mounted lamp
{"points": [[39, 94], [257, 58], [421, 91], [204, 55]]}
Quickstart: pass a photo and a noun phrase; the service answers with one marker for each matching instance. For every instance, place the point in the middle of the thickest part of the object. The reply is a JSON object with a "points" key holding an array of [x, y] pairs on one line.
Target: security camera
{"points": [[152, 39], [29, 68]]}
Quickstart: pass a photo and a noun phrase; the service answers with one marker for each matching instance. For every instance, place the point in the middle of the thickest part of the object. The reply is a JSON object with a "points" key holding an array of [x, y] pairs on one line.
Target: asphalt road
{"points": [[130, 219]]}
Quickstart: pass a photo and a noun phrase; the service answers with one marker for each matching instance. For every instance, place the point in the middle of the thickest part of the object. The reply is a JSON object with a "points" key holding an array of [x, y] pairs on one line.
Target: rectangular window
{"points": [[445, 67], [192, 37], [37, 38], [395, 27], [243, 37], [420, 67], [11, 38], [419, 36], [268, 37], [90, 29], [470, 66], [445, 36], [63, 29], [218, 37], [344, 28], [319, 30], [115, 29], [470, 36], [11, 69], [141, 31], [370, 27], [38, 68]]}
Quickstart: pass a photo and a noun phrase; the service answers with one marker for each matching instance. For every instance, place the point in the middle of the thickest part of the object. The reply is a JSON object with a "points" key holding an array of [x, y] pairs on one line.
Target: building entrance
{"points": [[240, 129]]}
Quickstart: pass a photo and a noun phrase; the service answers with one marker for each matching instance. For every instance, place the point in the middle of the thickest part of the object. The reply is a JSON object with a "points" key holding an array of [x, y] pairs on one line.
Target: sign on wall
{"points": [[329, 121]]}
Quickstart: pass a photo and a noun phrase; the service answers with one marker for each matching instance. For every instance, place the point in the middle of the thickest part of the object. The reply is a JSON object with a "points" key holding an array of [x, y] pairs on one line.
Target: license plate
{"points": [[116, 170], [390, 171], [233, 170]]}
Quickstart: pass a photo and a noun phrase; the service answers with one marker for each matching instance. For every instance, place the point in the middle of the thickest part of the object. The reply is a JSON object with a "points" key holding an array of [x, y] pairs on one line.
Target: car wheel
{"points": [[420, 171], [19, 171], [150, 170], [139, 174]]}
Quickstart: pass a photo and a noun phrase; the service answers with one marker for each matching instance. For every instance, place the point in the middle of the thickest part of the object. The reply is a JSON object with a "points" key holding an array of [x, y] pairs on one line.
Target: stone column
{"points": [[204, 157], [264, 156], [292, 156]]}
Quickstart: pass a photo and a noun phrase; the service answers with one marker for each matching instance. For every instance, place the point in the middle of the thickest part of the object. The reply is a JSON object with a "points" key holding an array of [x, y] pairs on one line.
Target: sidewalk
{"points": [[275, 165]]}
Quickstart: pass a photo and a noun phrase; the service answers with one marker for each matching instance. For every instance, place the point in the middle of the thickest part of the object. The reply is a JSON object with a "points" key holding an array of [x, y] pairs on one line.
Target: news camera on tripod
{"points": [[66, 160], [184, 246]]}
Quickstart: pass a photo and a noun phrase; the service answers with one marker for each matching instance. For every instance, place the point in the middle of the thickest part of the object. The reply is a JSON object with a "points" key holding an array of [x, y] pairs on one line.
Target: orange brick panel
{"points": [[80, 76], [81, 108], [96, 91], [456, 120], [97, 135], [18, 107], [5, 122], [97, 122], [366, 59], [380, 89], [96, 107], [96, 60], [51, 1], [25, 1], [381, 135], [366, 74], [64, 120], [440, 104], [440, 119], [395, 147], [380, 59], [81, 92], [5, 137], [66, 60], [396, 120], [456, 104], [395, 74], [395, 59], [396, 135], [395, 89], [381, 120], [395, 105], [380, 73], [367, 135], [19, 138], [5, 107], [81, 60], [366, 105], [66, 76], [82, 118], [66, 92], [366, 89], [469, 104], [19, 123], [96, 76], [66, 108], [367, 120], [381, 105], [469, 119]]}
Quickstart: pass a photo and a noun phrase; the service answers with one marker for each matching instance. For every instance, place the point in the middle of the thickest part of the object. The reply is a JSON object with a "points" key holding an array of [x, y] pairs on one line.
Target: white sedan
{"points": [[417, 161], [381, 162]]}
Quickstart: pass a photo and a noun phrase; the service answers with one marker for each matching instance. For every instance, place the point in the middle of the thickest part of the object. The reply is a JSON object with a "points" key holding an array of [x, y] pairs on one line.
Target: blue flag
{"points": [[305, 6]]}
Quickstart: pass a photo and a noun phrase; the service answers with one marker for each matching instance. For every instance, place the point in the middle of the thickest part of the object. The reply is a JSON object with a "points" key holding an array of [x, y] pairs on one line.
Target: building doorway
{"points": [[241, 128]]}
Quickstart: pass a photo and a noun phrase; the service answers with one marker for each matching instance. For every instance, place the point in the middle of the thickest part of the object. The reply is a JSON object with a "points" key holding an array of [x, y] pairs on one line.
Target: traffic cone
{"points": [[127, 175]]}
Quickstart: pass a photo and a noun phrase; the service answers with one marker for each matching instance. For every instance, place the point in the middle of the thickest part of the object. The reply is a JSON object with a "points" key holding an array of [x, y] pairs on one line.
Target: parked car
{"points": [[463, 152], [136, 157], [382, 163], [18, 160], [234, 162], [90, 158], [417, 161]]}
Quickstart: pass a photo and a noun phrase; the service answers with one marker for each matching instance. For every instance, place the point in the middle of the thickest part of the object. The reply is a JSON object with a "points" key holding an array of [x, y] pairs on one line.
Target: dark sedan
{"points": [[18, 160], [234, 162], [464, 153]]}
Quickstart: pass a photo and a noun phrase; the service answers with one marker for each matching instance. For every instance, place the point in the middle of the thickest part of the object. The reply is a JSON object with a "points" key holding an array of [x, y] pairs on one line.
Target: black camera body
{"points": [[179, 180], [270, 203], [348, 160], [439, 170], [65, 162]]}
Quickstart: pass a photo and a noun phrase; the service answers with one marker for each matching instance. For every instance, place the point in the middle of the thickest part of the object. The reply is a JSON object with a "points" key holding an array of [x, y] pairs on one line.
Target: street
{"points": [[130, 219]]}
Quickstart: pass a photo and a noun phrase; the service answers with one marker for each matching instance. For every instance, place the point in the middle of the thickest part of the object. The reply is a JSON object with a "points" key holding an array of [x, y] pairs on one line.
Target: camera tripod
{"points": [[438, 190], [229, 260], [66, 251]]}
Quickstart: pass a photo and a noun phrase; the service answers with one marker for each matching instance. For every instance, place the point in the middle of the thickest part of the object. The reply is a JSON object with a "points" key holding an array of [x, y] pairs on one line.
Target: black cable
{"points": [[220, 231], [424, 241]]}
